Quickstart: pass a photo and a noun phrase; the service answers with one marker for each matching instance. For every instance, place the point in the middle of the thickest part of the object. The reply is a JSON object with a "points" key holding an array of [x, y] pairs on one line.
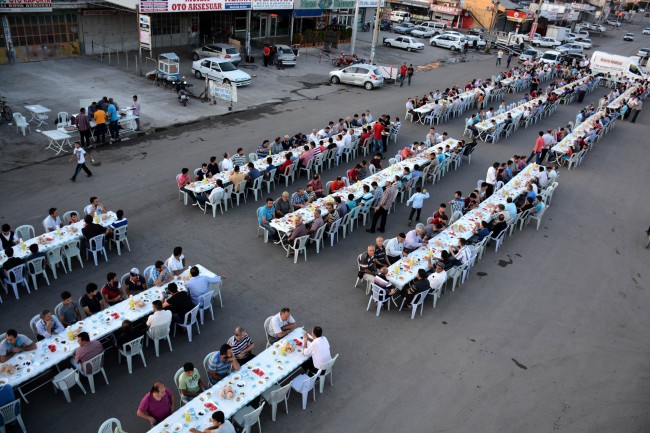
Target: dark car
{"points": [[568, 58], [478, 31]]}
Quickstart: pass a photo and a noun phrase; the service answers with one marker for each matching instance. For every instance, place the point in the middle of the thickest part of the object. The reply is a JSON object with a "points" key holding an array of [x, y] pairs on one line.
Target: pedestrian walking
{"points": [[637, 109], [83, 125], [499, 57], [381, 211], [409, 72], [418, 200], [80, 153], [510, 56], [537, 150], [136, 112], [465, 47], [402, 74], [267, 55]]}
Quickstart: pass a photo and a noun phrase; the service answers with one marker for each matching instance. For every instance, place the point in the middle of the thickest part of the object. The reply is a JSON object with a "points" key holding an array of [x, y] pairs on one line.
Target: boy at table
{"points": [[14, 343]]}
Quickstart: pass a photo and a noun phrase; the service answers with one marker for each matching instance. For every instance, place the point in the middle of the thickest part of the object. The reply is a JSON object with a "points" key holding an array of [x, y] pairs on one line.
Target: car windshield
{"points": [[377, 72], [227, 66], [529, 52], [232, 51]]}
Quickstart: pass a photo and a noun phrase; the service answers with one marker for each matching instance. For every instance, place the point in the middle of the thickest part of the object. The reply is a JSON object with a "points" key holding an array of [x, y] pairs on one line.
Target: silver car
{"points": [[368, 76], [288, 57], [570, 48], [223, 51]]}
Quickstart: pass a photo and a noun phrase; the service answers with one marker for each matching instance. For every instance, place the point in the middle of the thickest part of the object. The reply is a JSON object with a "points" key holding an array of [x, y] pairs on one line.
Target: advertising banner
{"points": [[226, 92], [149, 6], [145, 32], [26, 6], [272, 4], [238, 5]]}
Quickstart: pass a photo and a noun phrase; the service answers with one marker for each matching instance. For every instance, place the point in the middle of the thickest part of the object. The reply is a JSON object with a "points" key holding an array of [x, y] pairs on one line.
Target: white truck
{"points": [[557, 33], [511, 39], [615, 65]]}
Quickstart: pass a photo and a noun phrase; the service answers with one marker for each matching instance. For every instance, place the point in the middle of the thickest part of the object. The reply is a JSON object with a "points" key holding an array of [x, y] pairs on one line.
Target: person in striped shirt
{"points": [[242, 345]]}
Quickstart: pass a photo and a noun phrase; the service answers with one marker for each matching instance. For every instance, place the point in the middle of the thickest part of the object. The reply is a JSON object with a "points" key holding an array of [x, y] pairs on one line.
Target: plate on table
{"points": [[236, 377], [241, 384], [211, 406], [259, 372]]}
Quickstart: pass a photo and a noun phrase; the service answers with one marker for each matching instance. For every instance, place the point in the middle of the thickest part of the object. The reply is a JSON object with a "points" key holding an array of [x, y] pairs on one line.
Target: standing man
{"points": [[113, 117], [499, 57], [537, 150], [100, 128], [267, 54], [381, 211], [83, 125], [136, 111], [409, 72], [636, 109], [510, 56], [402, 74], [80, 153]]}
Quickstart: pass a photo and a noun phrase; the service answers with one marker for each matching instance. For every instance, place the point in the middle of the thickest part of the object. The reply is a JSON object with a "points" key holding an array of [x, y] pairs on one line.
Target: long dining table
{"points": [[404, 270], [51, 351], [269, 367]]}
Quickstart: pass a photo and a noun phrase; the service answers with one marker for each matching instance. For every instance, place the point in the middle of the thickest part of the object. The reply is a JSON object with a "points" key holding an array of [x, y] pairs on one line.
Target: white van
{"points": [[400, 16], [551, 57], [605, 63]]}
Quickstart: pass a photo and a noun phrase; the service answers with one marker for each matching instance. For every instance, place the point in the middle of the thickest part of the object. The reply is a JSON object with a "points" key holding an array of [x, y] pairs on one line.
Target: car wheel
{"points": [[335, 80], [388, 44], [452, 48], [226, 81], [195, 56], [368, 85], [198, 75], [432, 43], [408, 49]]}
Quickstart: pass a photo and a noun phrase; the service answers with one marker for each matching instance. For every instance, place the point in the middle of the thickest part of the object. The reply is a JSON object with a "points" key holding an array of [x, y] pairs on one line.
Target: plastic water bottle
{"points": [[131, 302], [188, 417], [70, 334]]}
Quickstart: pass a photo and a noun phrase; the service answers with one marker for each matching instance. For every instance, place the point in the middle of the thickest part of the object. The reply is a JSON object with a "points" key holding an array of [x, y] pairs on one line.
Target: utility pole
{"points": [[375, 32], [533, 29], [355, 27]]}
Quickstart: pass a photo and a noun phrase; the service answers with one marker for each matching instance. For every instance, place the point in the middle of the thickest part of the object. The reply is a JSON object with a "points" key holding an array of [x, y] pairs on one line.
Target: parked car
{"points": [[404, 28], [568, 58], [530, 55], [643, 52], [368, 76], [546, 43], [551, 57], [582, 34], [646, 31], [404, 42], [449, 41], [223, 51], [288, 57], [628, 37], [220, 69], [614, 23], [478, 31], [570, 37], [584, 43], [570, 48], [423, 32], [479, 42], [452, 32]]}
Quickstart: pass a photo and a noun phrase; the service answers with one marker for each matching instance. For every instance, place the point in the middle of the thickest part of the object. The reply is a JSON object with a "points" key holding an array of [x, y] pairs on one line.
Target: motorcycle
{"points": [[347, 60], [183, 98], [182, 91]]}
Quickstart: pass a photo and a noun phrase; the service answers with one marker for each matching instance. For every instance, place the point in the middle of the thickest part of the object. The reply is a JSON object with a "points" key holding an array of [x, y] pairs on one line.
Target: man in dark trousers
{"points": [[80, 153], [381, 211]]}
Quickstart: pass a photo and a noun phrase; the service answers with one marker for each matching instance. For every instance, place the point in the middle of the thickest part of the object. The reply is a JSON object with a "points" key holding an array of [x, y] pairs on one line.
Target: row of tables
{"points": [[57, 238], [287, 223], [405, 270]]}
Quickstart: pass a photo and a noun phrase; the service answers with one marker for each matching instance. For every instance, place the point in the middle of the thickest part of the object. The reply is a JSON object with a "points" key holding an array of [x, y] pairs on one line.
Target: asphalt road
{"points": [[548, 335]]}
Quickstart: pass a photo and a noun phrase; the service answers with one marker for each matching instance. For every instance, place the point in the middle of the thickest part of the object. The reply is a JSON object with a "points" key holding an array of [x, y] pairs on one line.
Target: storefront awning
{"points": [[126, 4], [307, 13]]}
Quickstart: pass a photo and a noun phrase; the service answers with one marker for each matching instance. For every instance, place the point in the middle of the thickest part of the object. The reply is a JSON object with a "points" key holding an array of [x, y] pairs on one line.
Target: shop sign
{"points": [[26, 6], [272, 4], [238, 5], [518, 16], [148, 6], [145, 32], [447, 10]]}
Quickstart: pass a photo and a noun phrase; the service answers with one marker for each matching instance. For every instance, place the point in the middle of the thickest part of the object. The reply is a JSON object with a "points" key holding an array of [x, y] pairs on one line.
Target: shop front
{"points": [[419, 10], [450, 15]]}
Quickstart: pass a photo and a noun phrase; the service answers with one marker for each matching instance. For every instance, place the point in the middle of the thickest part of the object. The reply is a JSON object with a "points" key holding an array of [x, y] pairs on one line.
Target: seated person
{"points": [[332, 215], [189, 382], [282, 205], [316, 223], [87, 350], [299, 199], [160, 316], [92, 229], [126, 334], [341, 207], [157, 404], [336, 185], [14, 343], [527, 205], [136, 283], [11, 262], [179, 303], [420, 284], [34, 254], [69, 312], [120, 221], [176, 262], [112, 292], [500, 226], [281, 324], [299, 230], [47, 325], [52, 221], [160, 275], [95, 207], [221, 364], [8, 237], [92, 302], [480, 231], [203, 173]]}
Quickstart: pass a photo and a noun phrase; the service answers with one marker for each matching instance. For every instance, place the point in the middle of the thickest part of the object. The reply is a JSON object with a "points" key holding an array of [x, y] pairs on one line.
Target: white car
{"points": [[404, 42], [423, 32], [628, 37], [582, 34], [646, 31], [570, 48], [368, 76], [452, 32], [452, 42], [480, 43], [546, 43], [570, 37], [222, 70], [614, 23], [585, 43], [530, 55], [223, 51], [644, 52]]}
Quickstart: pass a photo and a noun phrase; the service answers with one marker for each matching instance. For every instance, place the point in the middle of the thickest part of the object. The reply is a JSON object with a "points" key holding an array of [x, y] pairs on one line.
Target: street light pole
{"points": [[355, 27], [375, 33]]}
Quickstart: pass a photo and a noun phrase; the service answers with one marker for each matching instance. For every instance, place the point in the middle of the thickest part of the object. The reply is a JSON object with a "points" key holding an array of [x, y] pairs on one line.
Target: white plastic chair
{"points": [[57, 309], [252, 157], [333, 232], [16, 276], [247, 417], [215, 288], [189, 322], [32, 325], [267, 324], [271, 180], [257, 187], [289, 174], [66, 380], [67, 216], [380, 296], [327, 371], [206, 362], [119, 237], [71, 250], [129, 350], [308, 168], [157, 333], [303, 384], [97, 365], [55, 258], [96, 245], [147, 273], [538, 217], [10, 413], [275, 395], [345, 223], [107, 426], [218, 202], [499, 238], [299, 245], [418, 301], [21, 123], [25, 232], [205, 303], [62, 119], [240, 190], [318, 238], [36, 267]]}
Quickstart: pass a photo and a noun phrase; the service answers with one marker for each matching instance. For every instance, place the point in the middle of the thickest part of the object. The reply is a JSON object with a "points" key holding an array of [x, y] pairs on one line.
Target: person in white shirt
{"points": [[176, 263], [219, 425], [542, 177], [226, 163], [490, 113], [324, 133], [347, 137], [281, 324], [160, 316], [491, 178], [418, 200], [52, 221], [438, 278], [463, 254], [95, 207], [80, 153], [395, 248], [318, 349], [313, 137], [368, 116]]}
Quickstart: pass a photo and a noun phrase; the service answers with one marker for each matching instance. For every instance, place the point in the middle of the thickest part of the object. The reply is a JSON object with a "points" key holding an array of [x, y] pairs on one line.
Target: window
{"points": [[43, 29], [165, 24], [634, 70]]}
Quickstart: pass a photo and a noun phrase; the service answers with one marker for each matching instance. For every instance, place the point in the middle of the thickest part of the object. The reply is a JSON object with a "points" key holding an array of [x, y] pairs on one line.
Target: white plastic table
{"points": [[38, 113], [58, 139]]}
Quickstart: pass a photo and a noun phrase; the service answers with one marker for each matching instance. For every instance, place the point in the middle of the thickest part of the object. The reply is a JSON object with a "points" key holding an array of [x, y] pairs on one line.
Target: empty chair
{"points": [[455, 217], [252, 157], [275, 395], [327, 371], [119, 238], [189, 322], [25, 232], [307, 168], [267, 324], [62, 119], [21, 123], [65, 380], [32, 325], [157, 333], [418, 301], [379, 296], [71, 250], [131, 349], [96, 246], [16, 276], [257, 187], [299, 245], [55, 258], [91, 367], [36, 267], [303, 384], [289, 174], [107, 426], [205, 303], [247, 417], [215, 288], [10, 413]]}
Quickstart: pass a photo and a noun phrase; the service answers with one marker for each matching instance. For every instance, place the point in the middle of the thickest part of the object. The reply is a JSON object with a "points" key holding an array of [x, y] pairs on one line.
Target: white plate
{"points": [[241, 384]]}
